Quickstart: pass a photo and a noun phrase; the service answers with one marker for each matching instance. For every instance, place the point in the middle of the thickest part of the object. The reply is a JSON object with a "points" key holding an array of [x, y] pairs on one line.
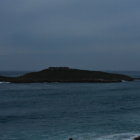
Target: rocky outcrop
{"points": [[137, 138], [65, 74]]}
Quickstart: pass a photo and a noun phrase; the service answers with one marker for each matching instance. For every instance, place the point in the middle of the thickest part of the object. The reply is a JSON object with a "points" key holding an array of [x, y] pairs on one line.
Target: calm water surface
{"points": [[56, 111]]}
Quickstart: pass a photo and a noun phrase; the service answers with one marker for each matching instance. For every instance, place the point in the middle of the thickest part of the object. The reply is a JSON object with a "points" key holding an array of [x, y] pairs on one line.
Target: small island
{"points": [[66, 75]]}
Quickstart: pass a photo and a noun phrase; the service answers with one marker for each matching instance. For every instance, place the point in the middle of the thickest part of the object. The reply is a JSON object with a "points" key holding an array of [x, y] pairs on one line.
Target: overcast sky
{"points": [[87, 34]]}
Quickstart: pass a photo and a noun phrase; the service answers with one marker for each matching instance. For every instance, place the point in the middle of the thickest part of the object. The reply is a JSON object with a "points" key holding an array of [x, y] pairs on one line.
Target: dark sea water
{"points": [[58, 111]]}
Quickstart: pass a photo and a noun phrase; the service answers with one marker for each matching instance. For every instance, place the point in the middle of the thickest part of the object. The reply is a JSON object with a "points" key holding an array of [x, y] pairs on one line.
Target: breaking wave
{"points": [[119, 136], [123, 136], [4, 82]]}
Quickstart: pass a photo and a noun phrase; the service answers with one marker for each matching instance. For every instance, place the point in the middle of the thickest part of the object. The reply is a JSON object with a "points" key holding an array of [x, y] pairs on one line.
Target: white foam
{"points": [[119, 136], [123, 81], [4, 82]]}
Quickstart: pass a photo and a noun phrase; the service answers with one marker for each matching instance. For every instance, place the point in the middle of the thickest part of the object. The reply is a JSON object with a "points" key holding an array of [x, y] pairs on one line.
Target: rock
{"points": [[137, 138]]}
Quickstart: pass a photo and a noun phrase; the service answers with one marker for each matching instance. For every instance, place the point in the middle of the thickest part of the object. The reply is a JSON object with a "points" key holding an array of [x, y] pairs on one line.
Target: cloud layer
{"points": [[84, 34]]}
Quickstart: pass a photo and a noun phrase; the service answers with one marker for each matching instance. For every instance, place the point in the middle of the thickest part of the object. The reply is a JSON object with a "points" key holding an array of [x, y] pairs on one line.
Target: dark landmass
{"points": [[65, 74], [137, 138]]}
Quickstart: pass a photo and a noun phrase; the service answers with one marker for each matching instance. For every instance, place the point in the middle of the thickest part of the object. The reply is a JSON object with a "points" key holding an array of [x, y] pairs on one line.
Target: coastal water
{"points": [[58, 111]]}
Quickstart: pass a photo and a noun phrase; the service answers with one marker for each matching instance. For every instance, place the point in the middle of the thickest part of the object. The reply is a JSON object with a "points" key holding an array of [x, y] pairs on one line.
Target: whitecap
{"points": [[123, 80], [4, 82], [119, 136]]}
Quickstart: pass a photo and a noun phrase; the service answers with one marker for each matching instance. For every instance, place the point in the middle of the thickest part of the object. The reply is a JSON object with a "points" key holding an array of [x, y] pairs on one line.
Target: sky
{"points": [[85, 34]]}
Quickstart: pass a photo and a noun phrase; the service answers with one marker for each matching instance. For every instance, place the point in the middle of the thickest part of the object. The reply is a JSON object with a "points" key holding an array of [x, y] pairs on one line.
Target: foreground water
{"points": [[56, 111]]}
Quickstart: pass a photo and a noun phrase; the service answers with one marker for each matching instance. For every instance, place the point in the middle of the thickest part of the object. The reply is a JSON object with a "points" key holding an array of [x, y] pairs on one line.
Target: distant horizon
{"points": [[39, 69]]}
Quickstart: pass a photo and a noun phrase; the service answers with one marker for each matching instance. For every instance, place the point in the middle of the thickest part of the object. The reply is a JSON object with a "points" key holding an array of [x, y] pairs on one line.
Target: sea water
{"points": [[59, 111]]}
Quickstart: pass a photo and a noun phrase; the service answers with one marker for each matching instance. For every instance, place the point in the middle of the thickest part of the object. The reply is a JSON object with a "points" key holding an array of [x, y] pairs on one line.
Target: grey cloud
{"points": [[65, 29]]}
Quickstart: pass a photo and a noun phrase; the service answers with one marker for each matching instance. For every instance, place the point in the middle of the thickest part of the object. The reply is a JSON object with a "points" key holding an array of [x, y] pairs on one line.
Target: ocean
{"points": [[59, 111]]}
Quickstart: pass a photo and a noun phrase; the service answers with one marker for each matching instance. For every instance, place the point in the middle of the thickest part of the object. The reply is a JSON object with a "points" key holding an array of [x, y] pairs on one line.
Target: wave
{"points": [[123, 81], [119, 136], [123, 136], [4, 82]]}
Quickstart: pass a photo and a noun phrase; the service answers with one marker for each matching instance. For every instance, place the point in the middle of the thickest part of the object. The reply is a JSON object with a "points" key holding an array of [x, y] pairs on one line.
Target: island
{"points": [[66, 75]]}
